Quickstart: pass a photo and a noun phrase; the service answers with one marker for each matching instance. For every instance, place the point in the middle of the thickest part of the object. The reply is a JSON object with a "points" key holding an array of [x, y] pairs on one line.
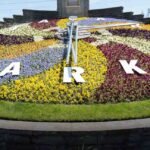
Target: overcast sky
{"points": [[10, 7]]}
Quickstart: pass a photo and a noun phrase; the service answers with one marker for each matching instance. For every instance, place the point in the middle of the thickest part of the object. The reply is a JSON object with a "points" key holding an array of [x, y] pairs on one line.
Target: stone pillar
{"points": [[68, 8]]}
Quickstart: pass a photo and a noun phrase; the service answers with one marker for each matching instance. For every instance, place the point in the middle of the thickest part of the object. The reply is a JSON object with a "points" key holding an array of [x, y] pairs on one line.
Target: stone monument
{"points": [[68, 8]]}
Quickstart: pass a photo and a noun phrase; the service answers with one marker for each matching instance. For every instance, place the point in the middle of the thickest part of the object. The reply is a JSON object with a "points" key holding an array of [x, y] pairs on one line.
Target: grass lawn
{"points": [[71, 113]]}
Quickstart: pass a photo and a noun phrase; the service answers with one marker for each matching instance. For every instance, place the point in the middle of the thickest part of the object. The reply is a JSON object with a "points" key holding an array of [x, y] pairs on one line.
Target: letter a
{"points": [[69, 74], [13, 68], [129, 67]]}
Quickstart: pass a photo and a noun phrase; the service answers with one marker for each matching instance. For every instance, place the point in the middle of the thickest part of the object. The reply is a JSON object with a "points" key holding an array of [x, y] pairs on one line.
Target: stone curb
{"points": [[75, 127]]}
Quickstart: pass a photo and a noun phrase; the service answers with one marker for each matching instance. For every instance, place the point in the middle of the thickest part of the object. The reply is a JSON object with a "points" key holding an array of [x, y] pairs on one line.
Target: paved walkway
{"points": [[75, 127]]}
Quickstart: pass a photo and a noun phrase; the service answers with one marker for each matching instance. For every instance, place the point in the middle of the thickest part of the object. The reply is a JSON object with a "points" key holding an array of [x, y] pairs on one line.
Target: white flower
{"points": [[100, 19], [43, 21], [38, 38], [139, 44], [24, 30], [104, 32]]}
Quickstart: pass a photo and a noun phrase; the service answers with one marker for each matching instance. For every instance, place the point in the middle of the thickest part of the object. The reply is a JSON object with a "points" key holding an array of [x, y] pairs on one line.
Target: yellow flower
{"points": [[62, 23], [49, 87], [27, 48]]}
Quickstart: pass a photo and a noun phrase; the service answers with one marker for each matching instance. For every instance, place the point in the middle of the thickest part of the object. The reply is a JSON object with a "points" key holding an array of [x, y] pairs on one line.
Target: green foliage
{"points": [[68, 113]]}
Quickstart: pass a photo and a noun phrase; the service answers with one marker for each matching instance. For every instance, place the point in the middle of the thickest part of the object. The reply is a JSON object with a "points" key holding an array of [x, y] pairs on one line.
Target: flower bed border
{"points": [[76, 127]]}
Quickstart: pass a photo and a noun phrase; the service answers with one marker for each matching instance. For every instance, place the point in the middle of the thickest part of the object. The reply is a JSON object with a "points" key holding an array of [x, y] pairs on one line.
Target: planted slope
{"points": [[120, 86], [49, 87]]}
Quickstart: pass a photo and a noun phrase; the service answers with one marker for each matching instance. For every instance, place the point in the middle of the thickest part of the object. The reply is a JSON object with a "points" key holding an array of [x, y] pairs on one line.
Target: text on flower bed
{"points": [[75, 72]]}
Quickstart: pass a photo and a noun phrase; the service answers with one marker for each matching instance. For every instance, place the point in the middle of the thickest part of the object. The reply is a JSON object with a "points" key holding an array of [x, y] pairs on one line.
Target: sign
{"points": [[131, 67], [75, 72]]}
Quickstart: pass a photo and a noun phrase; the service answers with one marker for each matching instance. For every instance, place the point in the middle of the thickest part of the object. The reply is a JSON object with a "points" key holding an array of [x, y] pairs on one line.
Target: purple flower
{"points": [[10, 40], [143, 34], [119, 86], [34, 63], [97, 21]]}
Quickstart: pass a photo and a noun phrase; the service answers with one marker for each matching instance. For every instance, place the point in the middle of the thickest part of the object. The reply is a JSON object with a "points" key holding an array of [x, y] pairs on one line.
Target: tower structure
{"points": [[68, 8]]}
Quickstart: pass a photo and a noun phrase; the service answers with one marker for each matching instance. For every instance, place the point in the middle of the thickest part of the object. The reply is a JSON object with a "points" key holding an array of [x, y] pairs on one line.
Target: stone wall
{"points": [[146, 20], [8, 20], [1, 24], [115, 12], [28, 16], [136, 139], [19, 19], [33, 15], [128, 15], [138, 17]]}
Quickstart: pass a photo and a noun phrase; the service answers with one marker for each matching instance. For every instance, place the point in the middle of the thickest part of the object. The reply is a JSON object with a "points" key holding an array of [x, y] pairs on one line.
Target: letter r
{"points": [[69, 74]]}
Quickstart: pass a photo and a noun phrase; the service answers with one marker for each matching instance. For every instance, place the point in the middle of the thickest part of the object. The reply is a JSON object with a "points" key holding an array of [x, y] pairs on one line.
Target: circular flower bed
{"points": [[43, 61]]}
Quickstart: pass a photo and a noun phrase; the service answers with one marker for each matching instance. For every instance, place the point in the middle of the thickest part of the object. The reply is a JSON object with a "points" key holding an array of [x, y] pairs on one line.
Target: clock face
{"points": [[73, 2], [112, 64]]}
